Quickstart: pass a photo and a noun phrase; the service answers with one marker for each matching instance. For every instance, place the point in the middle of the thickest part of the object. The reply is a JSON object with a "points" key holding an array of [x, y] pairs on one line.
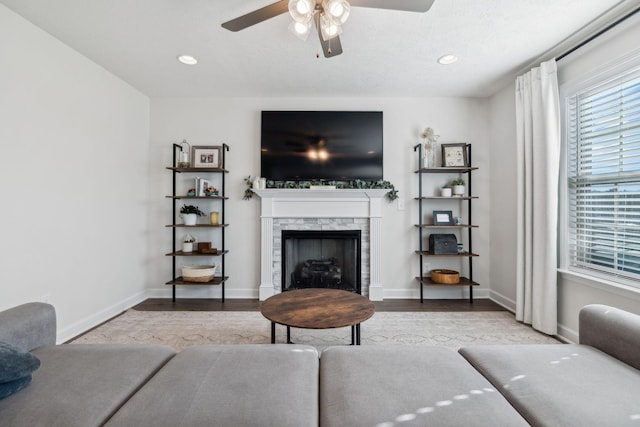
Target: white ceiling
{"points": [[386, 53]]}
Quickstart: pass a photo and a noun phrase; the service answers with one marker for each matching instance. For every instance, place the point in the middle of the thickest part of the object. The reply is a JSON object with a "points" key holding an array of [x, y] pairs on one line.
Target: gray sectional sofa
{"points": [[596, 382]]}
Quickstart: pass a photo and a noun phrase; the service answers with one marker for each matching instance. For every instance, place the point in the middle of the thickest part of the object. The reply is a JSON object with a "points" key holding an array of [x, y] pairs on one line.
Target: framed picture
{"points": [[206, 156], [442, 218], [454, 155], [202, 185]]}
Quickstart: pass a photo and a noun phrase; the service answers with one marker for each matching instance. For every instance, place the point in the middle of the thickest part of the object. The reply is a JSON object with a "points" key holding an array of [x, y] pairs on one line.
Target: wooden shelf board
{"points": [[194, 253], [446, 170], [445, 226], [216, 281], [461, 254], [197, 225], [198, 197], [464, 281], [446, 198], [179, 170]]}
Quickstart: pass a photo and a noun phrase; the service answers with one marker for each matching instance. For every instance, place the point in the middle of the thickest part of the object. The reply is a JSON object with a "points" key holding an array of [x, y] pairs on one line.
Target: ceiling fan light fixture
{"points": [[301, 29], [329, 28], [338, 10], [301, 10]]}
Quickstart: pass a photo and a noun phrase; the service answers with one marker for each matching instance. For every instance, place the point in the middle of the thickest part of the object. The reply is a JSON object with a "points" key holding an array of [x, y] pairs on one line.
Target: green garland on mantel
{"points": [[355, 184]]}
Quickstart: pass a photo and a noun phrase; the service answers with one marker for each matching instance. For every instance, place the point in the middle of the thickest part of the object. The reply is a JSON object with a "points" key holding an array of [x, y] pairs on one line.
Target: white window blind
{"points": [[603, 133]]}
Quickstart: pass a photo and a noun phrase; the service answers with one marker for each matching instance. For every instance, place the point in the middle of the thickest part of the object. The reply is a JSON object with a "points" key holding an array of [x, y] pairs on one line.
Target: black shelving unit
{"points": [[220, 199], [425, 229]]}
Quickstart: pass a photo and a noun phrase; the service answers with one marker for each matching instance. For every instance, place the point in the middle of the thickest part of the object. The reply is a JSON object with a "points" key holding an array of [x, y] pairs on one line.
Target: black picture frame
{"points": [[454, 155], [442, 218]]}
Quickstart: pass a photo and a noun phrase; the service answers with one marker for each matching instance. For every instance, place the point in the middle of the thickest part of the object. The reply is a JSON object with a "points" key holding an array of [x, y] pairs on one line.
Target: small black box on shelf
{"points": [[443, 244]]}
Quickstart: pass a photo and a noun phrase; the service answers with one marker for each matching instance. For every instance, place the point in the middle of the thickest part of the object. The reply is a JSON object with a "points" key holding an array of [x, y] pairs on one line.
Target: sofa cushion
{"points": [[82, 384], [561, 385], [229, 385], [408, 386], [15, 363]]}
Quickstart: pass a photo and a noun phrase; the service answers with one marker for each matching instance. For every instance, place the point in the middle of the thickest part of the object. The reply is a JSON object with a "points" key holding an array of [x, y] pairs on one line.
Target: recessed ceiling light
{"points": [[447, 59], [187, 59]]}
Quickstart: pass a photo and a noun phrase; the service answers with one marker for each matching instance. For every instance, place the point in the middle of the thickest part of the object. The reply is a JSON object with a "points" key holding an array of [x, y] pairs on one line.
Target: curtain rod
{"points": [[599, 33]]}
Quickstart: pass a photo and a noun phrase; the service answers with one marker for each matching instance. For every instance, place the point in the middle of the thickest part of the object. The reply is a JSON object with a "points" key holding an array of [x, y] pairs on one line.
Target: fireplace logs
{"points": [[317, 274]]}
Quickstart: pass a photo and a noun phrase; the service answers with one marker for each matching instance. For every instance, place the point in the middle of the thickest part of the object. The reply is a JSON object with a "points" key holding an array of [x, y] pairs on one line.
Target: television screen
{"points": [[321, 145]]}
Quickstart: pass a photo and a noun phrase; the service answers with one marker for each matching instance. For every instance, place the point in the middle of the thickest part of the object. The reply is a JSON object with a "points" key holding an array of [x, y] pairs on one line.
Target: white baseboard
{"points": [[195, 291], [567, 335], [95, 319], [434, 292], [503, 301], [564, 334]]}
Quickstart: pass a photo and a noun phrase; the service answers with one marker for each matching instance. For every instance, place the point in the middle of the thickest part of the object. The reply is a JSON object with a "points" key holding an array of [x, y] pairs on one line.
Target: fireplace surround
{"points": [[320, 209]]}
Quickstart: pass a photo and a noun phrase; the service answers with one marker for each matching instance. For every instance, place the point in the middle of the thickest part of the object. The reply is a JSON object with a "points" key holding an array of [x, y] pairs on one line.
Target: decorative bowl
{"points": [[198, 273], [446, 277]]}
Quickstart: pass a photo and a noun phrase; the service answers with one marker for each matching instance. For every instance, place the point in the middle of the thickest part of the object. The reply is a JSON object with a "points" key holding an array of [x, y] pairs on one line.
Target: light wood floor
{"points": [[165, 304]]}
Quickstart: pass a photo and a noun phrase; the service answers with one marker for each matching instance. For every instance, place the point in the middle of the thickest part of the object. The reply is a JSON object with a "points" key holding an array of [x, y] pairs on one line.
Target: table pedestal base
{"points": [[355, 334]]}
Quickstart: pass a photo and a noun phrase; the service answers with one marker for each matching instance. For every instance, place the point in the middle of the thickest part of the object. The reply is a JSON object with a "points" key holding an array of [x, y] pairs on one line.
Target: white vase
{"points": [[445, 192], [187, 246], [189, 219], [458, 190]]}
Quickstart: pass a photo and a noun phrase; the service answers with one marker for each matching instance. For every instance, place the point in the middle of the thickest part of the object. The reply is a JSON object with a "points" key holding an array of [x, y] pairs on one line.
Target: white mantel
{"points": [[320, 203]]}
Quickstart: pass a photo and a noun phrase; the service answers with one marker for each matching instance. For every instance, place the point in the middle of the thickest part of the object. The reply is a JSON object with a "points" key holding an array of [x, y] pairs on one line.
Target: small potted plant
{"points": [[190, 214], [211, 191], [458, 186], [188, 242], [445, 191]]}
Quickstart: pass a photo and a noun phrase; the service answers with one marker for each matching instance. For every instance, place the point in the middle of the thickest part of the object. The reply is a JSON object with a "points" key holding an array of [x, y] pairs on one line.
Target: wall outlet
{"points": [[426, 268], [400, 204], [45, 298]]}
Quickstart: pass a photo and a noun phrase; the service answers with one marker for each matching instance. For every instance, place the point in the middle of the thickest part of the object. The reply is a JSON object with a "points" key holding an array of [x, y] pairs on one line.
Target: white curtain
{"points": [[538, 139]]}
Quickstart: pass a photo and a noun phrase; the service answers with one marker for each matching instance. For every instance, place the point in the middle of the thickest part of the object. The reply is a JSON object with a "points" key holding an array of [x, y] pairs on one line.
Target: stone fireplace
{"points": [[286, 210]]}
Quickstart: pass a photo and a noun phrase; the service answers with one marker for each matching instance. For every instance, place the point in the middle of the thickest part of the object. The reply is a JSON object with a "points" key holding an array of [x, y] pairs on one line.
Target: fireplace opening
{"points": [[321, 259]]}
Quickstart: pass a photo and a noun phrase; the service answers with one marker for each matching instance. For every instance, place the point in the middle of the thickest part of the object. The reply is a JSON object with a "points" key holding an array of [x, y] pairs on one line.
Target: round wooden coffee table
{"points": [[317, 308]]}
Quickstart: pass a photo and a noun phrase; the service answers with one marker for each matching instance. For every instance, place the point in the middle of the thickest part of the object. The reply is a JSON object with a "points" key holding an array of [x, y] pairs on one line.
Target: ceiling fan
{"points": [[327, 15]]}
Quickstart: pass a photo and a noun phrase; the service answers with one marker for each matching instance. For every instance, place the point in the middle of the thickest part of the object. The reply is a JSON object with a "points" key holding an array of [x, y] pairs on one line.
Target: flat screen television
{"points": [[321, 145]]}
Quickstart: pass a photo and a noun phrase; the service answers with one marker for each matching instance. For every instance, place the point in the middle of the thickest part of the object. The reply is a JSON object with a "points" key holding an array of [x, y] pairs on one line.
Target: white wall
{"points": [[503, 185], [74, 180], [573, 291], [236, 121]]}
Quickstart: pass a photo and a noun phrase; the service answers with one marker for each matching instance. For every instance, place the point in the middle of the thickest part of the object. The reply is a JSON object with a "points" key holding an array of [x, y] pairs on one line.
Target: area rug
{"points": [[181, 329]]}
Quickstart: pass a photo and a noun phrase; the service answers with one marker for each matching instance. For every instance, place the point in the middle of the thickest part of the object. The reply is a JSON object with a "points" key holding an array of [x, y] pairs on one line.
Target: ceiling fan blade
{"points": [[330, 48], [257, 16], [406, 5]]}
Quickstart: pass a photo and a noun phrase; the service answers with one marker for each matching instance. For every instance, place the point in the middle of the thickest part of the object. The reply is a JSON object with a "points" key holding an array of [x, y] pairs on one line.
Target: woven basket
{"points": [[447, 277], [198, 273]]}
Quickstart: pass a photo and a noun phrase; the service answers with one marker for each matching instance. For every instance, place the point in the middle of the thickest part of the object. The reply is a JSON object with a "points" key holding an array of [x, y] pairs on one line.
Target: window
{"points": [[603, 171]]}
